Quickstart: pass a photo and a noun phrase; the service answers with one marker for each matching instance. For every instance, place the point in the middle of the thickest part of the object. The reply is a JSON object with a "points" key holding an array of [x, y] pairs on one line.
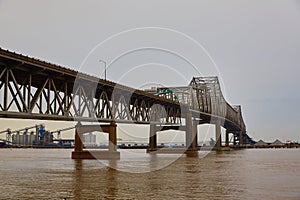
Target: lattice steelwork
{"points": [[30, 88], [34, 89], [204, 95]]}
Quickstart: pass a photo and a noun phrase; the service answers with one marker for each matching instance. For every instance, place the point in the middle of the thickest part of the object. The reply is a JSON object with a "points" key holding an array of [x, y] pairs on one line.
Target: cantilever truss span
{"points": [[205, 100], [34, 89]]}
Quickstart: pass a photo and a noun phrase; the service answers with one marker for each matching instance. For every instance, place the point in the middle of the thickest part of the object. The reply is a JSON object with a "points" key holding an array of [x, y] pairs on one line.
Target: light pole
{"points": [[102, 61]]}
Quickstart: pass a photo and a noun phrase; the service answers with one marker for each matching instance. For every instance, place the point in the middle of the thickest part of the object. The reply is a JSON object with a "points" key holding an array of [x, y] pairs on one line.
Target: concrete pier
{"points": [[190, 129], [240, 138], [191, 136], [110, 154], [152, 138], [227, 138], [218, 134]]}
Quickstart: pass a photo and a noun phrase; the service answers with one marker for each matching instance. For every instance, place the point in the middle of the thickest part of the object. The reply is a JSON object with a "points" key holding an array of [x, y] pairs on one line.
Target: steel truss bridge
{"points": [[35, 89]]}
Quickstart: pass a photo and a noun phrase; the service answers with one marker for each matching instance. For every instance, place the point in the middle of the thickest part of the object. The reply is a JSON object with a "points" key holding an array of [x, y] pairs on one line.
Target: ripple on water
{"points": [[247, 174]]}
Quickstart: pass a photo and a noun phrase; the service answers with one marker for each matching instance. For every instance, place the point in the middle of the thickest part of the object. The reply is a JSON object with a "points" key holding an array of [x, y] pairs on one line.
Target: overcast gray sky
{"points": [[255, 45]]}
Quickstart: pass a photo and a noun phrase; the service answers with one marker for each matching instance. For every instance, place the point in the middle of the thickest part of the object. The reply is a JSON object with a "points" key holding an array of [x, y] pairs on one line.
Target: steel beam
{"points": [[34, 89]]}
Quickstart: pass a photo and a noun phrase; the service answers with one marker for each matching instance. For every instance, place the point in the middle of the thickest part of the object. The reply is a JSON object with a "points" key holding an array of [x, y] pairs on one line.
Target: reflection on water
{"points": [[93, 183], [136, 161], [247, 174]]}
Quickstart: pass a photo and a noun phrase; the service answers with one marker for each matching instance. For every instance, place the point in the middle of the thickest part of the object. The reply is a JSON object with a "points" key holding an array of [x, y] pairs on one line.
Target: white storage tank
{"points": [[26, 140], [17, 139], [21, 143], [31, 138]]}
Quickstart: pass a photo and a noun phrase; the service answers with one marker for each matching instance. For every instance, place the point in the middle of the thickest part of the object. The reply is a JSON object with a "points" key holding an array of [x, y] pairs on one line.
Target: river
{"points": [[238, 174]]}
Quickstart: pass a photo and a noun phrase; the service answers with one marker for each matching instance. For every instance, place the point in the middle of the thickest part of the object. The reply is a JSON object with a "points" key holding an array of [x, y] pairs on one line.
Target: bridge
{"points": [[35, 89]]}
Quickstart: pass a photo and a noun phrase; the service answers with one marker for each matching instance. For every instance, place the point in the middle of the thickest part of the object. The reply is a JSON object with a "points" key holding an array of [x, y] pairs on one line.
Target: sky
{"points": [[252, 46]]}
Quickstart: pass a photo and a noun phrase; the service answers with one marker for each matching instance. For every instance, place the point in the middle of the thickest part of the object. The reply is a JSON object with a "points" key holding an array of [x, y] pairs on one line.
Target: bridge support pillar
{"points": [[240, 133], [152, 138], [188, 132], [227, 138], [191, 136], [218, 134], [111, 154], [153, 148], [195, 135], [112, 137], [78, 140]]}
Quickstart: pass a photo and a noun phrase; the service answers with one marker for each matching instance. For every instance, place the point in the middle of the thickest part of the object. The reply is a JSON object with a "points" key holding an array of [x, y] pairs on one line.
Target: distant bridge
{"points": [[34, 89]]}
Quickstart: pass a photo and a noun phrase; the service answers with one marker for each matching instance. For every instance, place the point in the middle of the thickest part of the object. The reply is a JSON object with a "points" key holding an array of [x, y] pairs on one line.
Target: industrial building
{"points": [[37, 137], [24, 139]]}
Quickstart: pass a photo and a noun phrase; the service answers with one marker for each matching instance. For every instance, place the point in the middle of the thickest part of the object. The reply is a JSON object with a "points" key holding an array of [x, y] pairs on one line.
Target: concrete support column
{"points": [[112, 137], [218, 133], [194, 135], [112, 153], [227, 138], [78, 142], [189, 131], [152, 138], [240, 137]]}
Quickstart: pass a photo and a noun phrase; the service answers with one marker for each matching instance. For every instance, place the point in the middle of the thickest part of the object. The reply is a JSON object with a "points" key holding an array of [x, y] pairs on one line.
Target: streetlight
{"points": [[102, 61]]}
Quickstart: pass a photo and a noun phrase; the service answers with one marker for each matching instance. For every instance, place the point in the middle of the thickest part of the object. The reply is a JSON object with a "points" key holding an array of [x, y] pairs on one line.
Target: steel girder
{"points": [[204, 96], [34, 89]]}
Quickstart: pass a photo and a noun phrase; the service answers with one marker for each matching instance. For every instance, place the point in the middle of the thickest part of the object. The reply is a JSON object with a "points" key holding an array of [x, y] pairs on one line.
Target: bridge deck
{"points": [[35, 89]]}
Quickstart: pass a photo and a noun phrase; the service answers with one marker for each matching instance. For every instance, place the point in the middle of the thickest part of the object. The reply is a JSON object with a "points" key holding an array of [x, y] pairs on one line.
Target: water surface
{"points": [[242, 174]]}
